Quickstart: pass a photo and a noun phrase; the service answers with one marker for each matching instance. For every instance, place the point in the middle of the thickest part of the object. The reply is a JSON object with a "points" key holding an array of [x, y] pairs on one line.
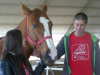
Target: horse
{"points": [[36, 32]]}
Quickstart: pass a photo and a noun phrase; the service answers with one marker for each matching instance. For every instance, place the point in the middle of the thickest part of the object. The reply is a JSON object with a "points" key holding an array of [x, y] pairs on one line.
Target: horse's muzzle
{"points": [[47, 59]]}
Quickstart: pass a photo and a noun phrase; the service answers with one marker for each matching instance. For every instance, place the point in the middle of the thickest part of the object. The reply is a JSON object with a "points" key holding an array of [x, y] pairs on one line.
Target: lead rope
{"points": [[52, 71]]}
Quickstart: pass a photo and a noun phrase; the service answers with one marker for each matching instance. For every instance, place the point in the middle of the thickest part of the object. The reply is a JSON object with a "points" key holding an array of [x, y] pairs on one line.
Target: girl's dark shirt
{"points": [[12, 65]]}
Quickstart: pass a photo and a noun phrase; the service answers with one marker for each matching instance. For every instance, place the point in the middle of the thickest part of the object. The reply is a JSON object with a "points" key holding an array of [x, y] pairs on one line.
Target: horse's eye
{"points": [[34, 26]]}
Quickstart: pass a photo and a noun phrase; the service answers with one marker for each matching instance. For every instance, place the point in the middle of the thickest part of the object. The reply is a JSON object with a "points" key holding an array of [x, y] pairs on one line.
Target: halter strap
{"points": [[39, 42]]}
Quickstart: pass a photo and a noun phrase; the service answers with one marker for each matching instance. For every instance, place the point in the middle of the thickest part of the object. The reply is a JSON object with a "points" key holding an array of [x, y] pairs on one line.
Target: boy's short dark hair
{"points": [[81, 16]]}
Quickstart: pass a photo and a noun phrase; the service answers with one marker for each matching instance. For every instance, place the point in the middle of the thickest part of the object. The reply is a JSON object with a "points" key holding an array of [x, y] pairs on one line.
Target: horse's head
{"points": [[39, 35]]}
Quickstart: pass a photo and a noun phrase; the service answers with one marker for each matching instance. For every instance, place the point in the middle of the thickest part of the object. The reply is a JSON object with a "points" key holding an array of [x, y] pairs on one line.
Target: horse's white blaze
{"points": [[50, 43]]}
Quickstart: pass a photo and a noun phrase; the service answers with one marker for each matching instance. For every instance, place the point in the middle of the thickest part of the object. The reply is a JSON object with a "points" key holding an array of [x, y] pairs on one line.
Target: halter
{"points": [[36, 43]]}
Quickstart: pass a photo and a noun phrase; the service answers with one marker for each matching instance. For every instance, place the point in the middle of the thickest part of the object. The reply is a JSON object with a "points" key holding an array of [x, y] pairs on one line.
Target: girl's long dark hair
{"points": [[13, 43]]}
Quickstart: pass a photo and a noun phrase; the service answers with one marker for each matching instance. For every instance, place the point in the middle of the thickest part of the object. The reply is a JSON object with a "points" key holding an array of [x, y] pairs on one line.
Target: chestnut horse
{"points": [[36, 33]]}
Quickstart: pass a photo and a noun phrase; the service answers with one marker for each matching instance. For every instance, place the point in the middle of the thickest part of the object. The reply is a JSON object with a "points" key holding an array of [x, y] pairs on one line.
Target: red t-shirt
{"points": [[80, 55]]}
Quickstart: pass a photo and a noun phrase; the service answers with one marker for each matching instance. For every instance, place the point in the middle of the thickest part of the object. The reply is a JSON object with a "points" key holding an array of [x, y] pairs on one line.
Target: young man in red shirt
{"points": [[81, 49]]}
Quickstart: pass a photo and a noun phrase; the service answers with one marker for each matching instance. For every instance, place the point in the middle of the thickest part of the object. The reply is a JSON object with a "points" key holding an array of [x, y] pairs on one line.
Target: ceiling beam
{"points": [[89, 3], [73, 7], [8, 24], [2, 14], [91, 32], [54, 24], [16, 5]]}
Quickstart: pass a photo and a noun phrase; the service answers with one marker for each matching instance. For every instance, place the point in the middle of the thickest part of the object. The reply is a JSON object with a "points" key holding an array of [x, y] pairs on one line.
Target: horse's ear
{"points": [[26, 10], [44, 8]]}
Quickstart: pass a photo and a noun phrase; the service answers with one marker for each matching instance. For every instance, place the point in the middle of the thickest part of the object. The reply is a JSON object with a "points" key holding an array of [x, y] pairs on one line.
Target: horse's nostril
{"points": [[47, 58], [55, 58], [47, 54]]}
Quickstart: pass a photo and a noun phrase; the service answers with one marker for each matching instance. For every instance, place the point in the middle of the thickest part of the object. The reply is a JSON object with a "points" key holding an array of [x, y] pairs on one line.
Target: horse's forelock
{"points": [[37, 11], [36, 14]]}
